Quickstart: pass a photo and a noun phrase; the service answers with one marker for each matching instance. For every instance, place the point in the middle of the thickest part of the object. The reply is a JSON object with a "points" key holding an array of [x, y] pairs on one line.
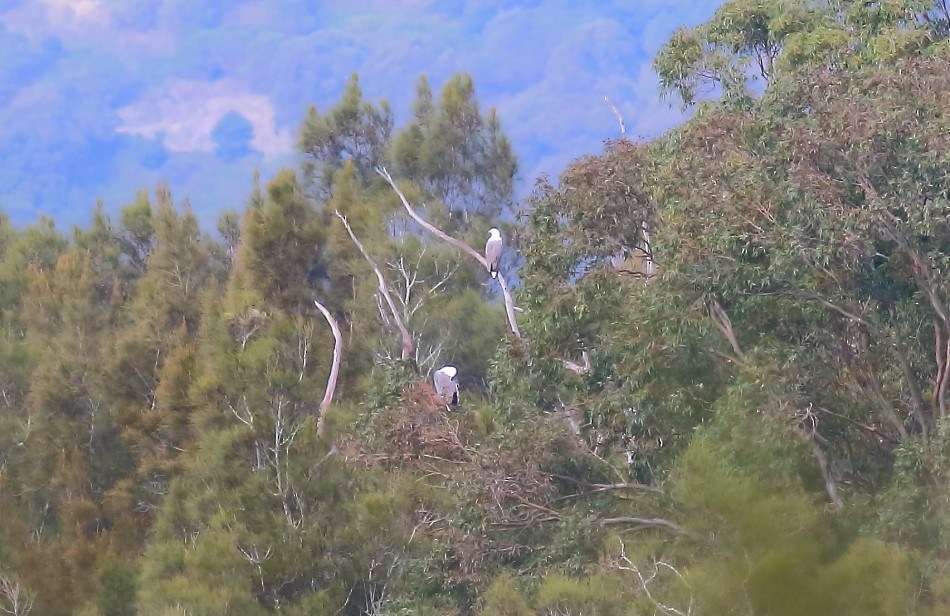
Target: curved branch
{"points": [[646, 523], [599, 488], [334, 367], [830, 486], [509, 302], [940, 397], [724, 324], [623, 129], [407, 344]]}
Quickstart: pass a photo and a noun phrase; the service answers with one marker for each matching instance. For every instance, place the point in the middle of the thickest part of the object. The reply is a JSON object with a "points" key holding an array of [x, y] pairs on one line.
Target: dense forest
{"points": [[721, 387]]}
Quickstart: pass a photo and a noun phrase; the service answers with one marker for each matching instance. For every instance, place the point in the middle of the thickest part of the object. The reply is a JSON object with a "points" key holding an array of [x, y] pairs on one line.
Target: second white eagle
{"points": [[493, 251]]}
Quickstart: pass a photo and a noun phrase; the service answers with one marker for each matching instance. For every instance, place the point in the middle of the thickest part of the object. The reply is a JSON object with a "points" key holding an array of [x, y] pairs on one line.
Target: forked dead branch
{"points": [[510, 309]]}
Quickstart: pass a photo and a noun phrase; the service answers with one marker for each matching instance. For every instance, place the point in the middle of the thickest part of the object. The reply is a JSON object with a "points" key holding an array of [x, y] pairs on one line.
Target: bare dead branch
{"points": [[509, 302], [625, 564], [924, 280], [623, 129], [646, 523], [839, 309], [14, 598], [409, 280], [407, 343], [871, 429], [940, 384], [598, 488], [334, 367], [649, 269], [830, 486], [445, 279], [724, 324], [916, 398], [243, 413], [873, 391]]}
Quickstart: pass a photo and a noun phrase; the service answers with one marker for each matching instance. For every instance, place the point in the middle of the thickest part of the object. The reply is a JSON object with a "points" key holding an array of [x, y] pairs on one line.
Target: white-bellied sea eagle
{"points": [[493, 251], [446, 385]]}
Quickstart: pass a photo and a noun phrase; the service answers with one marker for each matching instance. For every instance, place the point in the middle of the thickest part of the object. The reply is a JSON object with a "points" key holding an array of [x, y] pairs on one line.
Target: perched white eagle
{"points": [[446, 384], [493, 251]]}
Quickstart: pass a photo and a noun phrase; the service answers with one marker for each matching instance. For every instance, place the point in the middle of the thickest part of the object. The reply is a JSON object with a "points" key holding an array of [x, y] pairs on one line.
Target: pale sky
{"points": [[99, 98]]}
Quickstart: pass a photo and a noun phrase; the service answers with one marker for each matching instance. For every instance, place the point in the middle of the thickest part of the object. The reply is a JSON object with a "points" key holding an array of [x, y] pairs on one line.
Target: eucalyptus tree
{"points": [[748, 43]]}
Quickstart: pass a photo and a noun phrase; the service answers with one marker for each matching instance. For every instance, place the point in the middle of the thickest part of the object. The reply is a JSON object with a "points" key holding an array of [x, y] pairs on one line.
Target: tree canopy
{"points": [[727, 390]]}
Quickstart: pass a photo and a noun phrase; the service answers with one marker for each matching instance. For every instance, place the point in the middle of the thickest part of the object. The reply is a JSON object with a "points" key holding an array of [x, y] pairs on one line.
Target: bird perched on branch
{"points": [[493, 251], [447, 385]]}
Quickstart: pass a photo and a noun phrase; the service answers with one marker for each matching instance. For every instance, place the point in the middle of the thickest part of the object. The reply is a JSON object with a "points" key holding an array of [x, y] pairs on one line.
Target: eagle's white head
{"points": [[494, 234]]}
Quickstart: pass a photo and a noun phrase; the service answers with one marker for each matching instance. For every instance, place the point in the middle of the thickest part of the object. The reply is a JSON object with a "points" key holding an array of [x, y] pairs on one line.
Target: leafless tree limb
{"points": [[410, 280], [597, 488], [14, 599], [623, 129], [646, 523], [925, 282], [243, 413], [509, 302], [334, 367], [839, 309], [407, 343], [510, 308], [625, 564], [916, 398], [867, 427], [942, 376], [252, 554], [808, 426], [724, 324], [830, 485]]}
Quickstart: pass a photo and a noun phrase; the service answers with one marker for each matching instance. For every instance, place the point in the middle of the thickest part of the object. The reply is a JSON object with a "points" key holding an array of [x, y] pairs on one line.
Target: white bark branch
{"points": [[509, 302], [625, 564], [407, 343], [724, 324], [14, 599], [830, 485], [334, 367], [623, 129]]}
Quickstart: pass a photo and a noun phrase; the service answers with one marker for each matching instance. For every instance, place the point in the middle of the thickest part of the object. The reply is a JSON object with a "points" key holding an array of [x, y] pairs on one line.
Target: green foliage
{"points": [[760, 541], [456, 154], [751, 39], [353, 130], [503, 599], [38, 246], [730, 393]]}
